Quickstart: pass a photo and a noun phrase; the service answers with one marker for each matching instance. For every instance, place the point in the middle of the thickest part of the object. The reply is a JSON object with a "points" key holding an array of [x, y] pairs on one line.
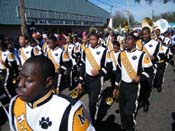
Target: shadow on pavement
{"points": [[108, 125]]}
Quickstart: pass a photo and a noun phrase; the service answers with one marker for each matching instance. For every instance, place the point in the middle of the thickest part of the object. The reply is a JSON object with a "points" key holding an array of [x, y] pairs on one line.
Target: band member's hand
{"points": [[2, 62], [79, 87], [151, 57], [115, 93], [94, 72], [136, 79]]}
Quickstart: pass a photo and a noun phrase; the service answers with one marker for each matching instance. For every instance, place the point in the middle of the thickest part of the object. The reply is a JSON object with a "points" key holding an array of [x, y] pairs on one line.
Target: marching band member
{"points": [[26, 50], [68, 48], [8, 67], [96, 63], [161, 65], [133, 67], [60, 60], [151, 48], [36, 108]]}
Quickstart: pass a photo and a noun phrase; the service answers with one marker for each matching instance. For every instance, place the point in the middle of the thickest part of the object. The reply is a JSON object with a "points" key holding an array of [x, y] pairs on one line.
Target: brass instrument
{"points": [[109, 100], [162, 24], [14, 80], [126, 26], [74, 94], [92, 29], [147, 22]]}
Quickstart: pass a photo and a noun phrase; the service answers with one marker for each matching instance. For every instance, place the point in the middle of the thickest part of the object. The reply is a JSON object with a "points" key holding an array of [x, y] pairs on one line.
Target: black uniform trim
{"points": [[64, 121]]}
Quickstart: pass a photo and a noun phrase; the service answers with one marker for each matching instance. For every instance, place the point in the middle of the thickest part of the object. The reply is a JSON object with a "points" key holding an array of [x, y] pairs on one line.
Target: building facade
{"points": [[58, 15]]}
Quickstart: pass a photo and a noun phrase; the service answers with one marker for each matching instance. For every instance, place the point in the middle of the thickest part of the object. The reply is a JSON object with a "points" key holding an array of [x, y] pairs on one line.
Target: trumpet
{"points": [[14, 81], [109, 100], [76, 93]]}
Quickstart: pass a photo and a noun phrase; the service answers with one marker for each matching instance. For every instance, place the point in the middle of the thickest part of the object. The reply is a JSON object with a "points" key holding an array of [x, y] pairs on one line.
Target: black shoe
{"points": [[146, 107]]}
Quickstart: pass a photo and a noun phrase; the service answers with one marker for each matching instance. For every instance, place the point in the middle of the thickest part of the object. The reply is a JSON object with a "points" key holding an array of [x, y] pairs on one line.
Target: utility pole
{"points": [[22, 15], [152, 15], [111, 9], [128, 13]]}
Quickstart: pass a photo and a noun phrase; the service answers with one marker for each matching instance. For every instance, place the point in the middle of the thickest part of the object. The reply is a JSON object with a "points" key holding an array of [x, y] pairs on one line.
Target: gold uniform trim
{"points": [[91, 59], [42, 99], [50, 56], [127, 65], [80, 120], [142, 47], [2, 63], [111, 53], [83, 47], [20, 115], [23, 54]]}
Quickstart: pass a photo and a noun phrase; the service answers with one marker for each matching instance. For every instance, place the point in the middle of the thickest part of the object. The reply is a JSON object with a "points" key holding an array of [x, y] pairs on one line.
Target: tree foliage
{"points": [[150, 1], [119, 19], [170, 17]]}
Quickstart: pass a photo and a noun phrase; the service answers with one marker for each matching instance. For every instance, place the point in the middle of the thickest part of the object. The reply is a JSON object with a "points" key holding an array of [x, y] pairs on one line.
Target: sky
{"points": [[138, 10]]}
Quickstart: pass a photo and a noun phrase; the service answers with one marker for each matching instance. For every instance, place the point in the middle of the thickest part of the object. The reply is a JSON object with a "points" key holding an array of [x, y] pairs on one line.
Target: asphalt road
{"points": [[160, 117]]}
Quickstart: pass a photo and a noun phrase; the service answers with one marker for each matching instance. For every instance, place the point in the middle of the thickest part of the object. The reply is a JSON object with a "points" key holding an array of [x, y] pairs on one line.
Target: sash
{"points": [[91, 59], [65, 47], [20, 115], [2, 63], [23, 54], [127, 65], [83, 47], [44, 48], [111, 53], [50, 56], [142, 47]]}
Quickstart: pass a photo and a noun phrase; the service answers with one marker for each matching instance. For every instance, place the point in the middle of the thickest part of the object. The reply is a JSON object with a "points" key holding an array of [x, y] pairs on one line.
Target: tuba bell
{"points": [[92, 30], [162, 24], [147, 22]]}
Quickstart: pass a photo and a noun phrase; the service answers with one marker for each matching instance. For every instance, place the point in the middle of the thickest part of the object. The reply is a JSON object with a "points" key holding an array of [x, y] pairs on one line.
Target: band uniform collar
{"points": [[41, 101], [130, 51]]}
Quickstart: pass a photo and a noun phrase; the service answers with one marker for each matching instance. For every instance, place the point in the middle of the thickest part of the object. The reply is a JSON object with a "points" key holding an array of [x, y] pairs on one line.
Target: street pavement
{"points": [[160, 117]]}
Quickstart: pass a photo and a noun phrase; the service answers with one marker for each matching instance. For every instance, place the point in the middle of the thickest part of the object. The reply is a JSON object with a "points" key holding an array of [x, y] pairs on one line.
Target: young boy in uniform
{"points": [[36, 108]]}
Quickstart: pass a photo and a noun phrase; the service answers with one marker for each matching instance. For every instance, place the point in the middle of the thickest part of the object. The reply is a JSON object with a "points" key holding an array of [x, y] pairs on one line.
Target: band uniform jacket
{"points": [[59, 58], [151, 48], [98, 55], [27, 52], [138, 61], [52, 113]]}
